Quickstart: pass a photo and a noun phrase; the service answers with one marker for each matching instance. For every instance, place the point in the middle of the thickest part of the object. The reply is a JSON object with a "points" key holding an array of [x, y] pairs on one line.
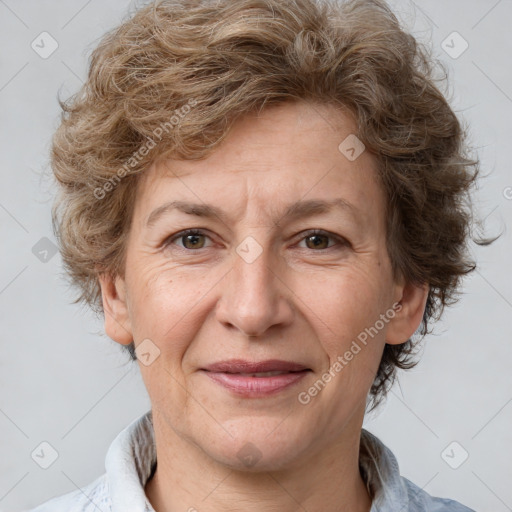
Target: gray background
{"points": [[66, 383]]}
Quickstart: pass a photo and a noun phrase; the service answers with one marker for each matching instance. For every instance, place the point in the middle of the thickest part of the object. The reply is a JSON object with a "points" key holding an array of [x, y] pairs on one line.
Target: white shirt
{"points": [[131, 460]]}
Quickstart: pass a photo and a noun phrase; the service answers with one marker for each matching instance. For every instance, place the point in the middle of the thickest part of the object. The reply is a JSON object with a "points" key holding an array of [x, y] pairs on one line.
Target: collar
{"points": [[131, 462]]}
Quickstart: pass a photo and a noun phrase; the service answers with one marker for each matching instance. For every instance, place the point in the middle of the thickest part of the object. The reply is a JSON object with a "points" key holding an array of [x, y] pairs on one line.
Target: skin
{"points": [[298, 301]]}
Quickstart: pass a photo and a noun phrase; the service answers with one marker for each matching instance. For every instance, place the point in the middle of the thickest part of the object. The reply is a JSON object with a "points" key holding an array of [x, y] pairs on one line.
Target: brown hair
{"points": [[172, 79]]}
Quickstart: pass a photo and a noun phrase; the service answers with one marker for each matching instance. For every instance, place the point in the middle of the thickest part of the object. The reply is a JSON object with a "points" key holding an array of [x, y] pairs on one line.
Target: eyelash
{"points": [[311, 232]]}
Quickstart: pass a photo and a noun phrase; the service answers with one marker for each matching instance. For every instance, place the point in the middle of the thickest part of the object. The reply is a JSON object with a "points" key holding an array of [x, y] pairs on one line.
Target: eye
{"points": [[317, 239], [191, 239]]}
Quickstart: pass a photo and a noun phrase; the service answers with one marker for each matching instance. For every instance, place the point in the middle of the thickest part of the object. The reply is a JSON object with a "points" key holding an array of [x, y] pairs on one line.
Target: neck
{"points": [[186, 479]]}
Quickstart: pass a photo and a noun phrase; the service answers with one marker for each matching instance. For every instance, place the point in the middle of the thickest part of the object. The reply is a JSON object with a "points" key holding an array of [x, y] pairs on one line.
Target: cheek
{"points": [[347, 307], [167, 306], [344, 304], [153, 298]]}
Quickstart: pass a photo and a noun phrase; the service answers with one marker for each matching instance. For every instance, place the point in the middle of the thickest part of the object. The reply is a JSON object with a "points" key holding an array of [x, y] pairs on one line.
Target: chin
{"points": [[257, 444]]}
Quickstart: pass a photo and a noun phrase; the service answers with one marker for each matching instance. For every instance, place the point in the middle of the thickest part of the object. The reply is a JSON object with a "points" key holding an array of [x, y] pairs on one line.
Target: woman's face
{"points": [[253, 286]]}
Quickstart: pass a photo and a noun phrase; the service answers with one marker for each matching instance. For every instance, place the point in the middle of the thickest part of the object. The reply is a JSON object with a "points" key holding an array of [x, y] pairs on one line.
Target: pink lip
{"points": [[230, 375], [242, 366]]}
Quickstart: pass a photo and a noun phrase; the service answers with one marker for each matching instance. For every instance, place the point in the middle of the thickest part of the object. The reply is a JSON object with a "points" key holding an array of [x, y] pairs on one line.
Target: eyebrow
{"points": [[296, 210]]}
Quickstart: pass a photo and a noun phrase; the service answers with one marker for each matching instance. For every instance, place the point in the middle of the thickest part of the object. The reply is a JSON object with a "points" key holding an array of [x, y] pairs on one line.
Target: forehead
{"points": [[272, 158]]}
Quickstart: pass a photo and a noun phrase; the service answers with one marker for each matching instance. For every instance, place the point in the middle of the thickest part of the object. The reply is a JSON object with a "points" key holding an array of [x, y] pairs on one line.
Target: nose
{"points": [[255, 296]]}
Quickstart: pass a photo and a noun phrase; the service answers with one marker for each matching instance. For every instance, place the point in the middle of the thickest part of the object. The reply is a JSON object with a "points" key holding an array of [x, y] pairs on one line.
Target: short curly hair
{"points": [[172, 79]]}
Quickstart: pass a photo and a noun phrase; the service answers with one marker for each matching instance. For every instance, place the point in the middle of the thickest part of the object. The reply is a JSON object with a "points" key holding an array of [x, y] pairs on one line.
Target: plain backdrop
{"points": [[63, 382]]}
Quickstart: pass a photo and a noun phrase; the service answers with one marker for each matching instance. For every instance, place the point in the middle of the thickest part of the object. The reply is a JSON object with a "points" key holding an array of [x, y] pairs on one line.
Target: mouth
{"points": [[256, 379]]}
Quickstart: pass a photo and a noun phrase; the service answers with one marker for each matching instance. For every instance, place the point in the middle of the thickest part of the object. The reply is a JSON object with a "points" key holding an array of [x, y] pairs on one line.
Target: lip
{"points": [[243, 366], [233, 375]]}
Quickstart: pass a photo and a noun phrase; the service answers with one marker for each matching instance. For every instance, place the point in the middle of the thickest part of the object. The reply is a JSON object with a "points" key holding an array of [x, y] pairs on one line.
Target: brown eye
{"points": [[317, 241], [193, 241], [188, 240]]}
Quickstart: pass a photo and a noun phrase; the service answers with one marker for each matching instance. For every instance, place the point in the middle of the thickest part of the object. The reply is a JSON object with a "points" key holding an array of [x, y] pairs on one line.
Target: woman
{"points": [[265, 200]]}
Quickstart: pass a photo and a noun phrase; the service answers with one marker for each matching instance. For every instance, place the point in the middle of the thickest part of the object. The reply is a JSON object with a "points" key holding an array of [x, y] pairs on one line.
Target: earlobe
{"points": [[409, 313], [117, 318]]}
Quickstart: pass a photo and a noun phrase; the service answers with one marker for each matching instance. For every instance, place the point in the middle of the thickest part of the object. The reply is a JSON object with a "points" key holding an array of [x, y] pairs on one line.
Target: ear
{"points": [[117, 318], [408, 314]]}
